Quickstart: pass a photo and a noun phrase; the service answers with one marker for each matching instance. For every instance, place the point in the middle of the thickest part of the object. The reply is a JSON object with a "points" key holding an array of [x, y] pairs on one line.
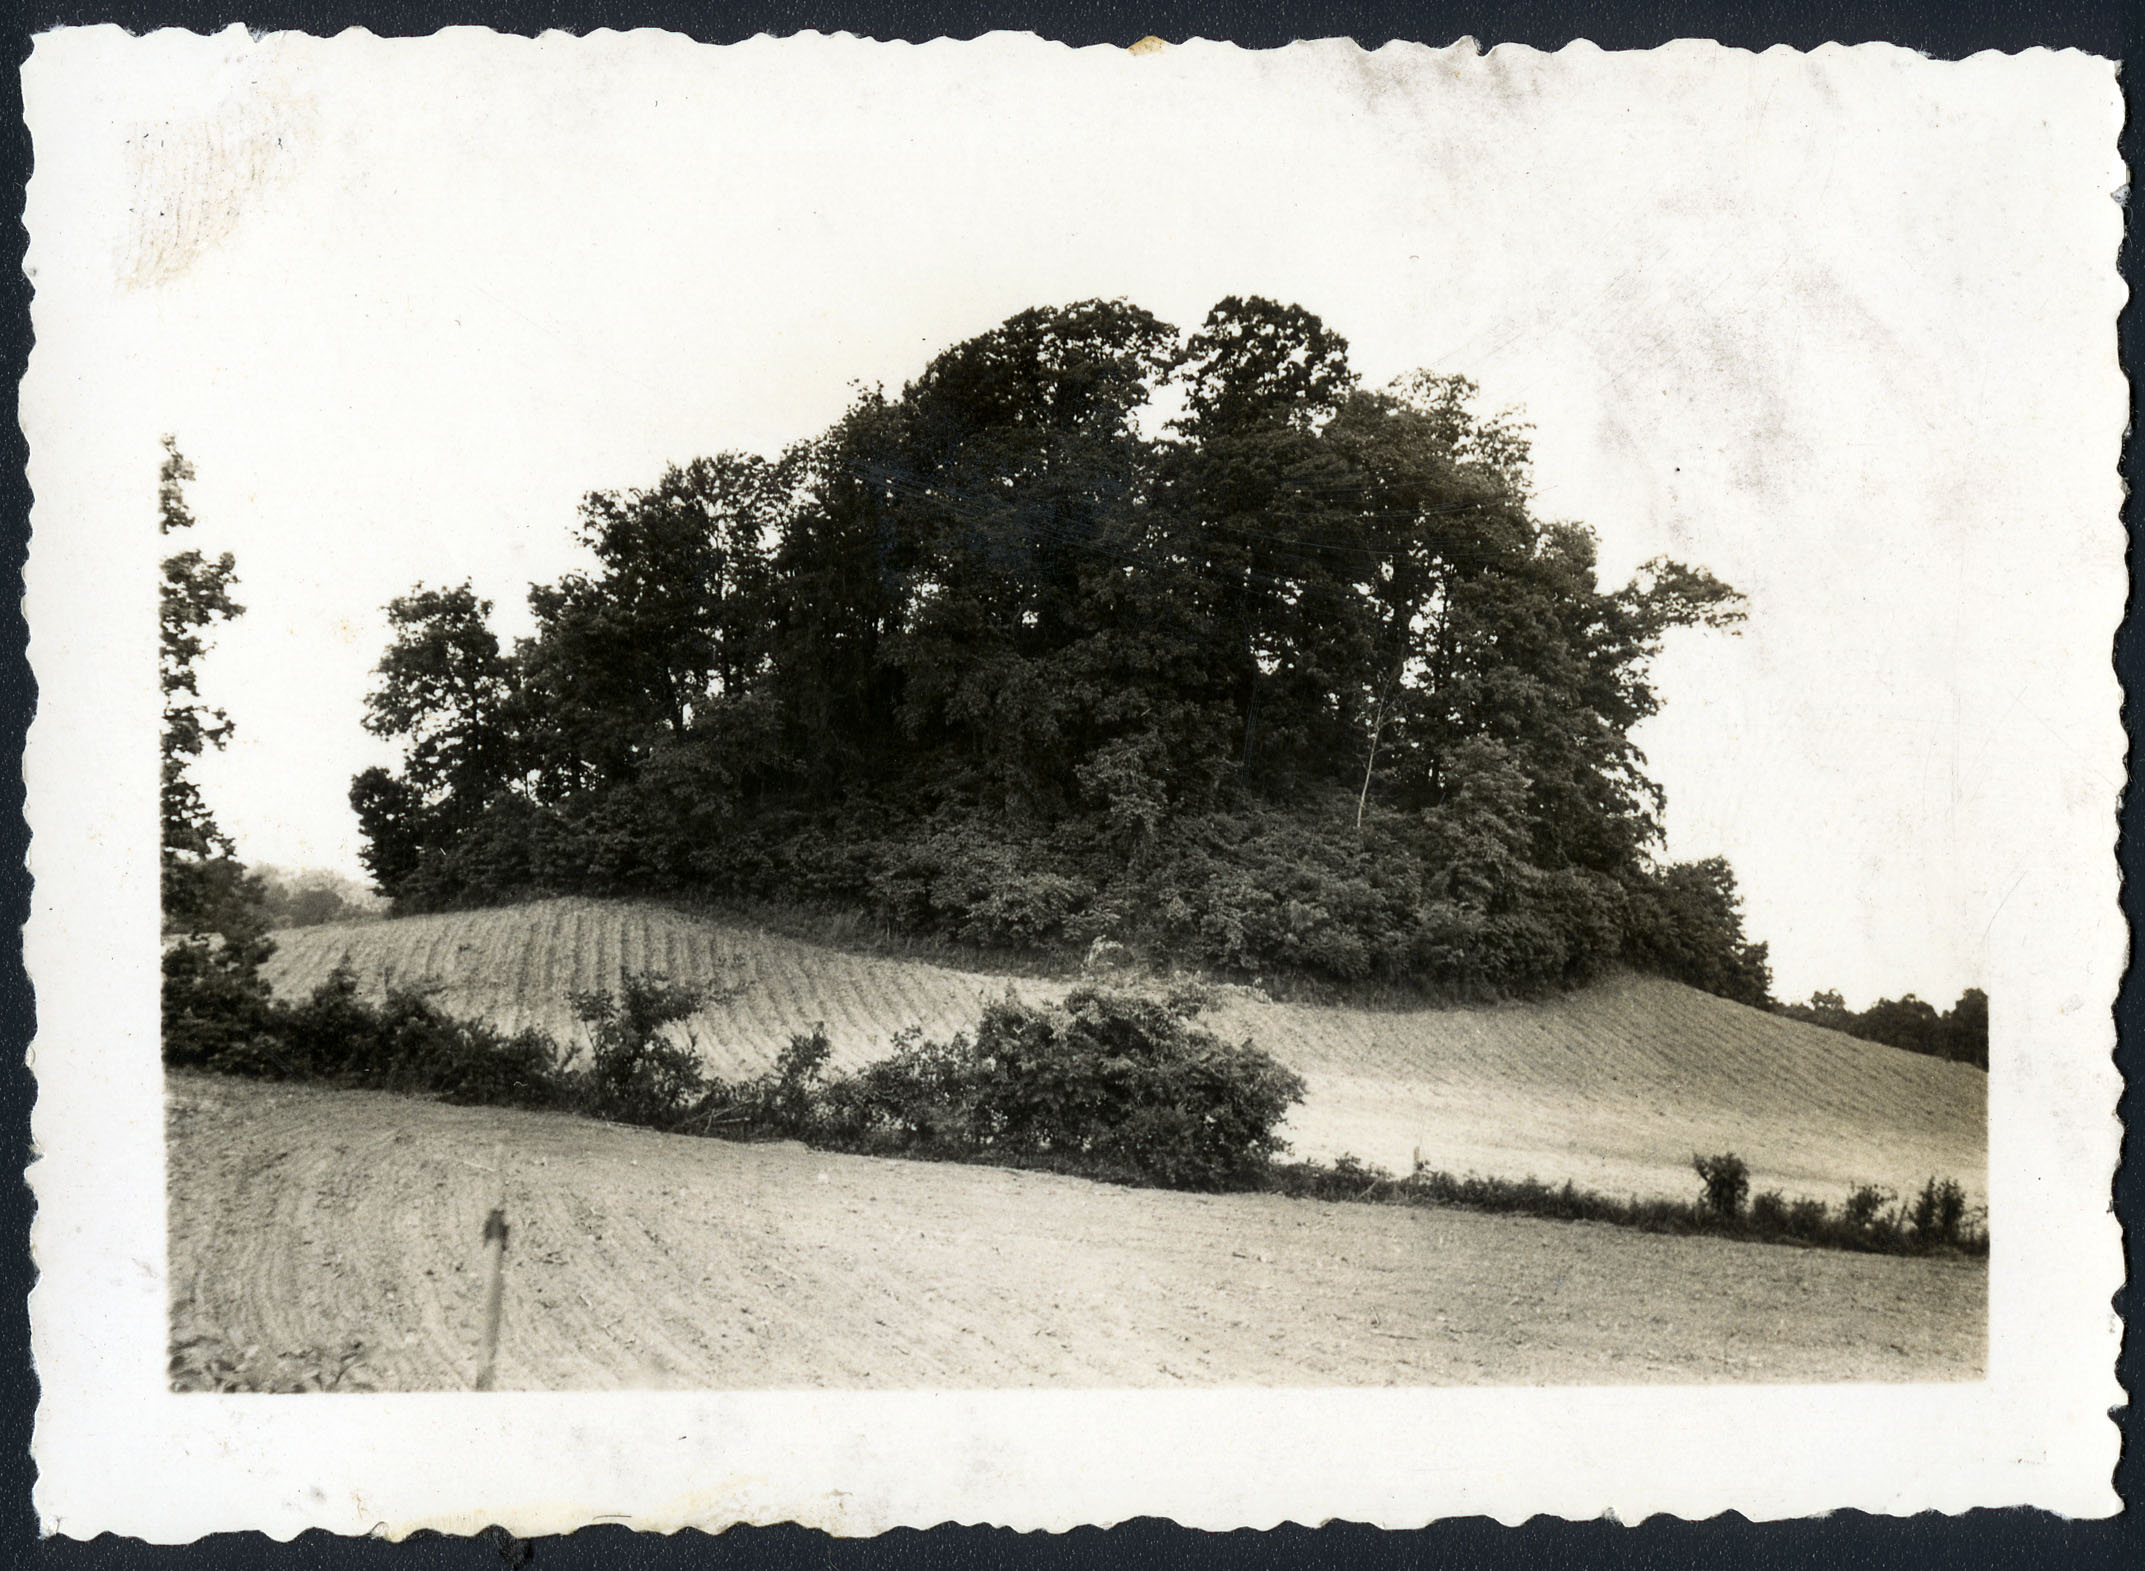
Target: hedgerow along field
{"points": [[1614, 1087]]}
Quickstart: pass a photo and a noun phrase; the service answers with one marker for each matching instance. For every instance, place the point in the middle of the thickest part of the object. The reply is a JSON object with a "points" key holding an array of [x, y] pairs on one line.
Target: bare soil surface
{"points": [[1615, 1087], [331, 1238]]}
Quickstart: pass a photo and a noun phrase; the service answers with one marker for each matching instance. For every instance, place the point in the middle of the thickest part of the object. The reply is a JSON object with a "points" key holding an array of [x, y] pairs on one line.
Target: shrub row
{"points": [[1301, 893], [1112, 1084], [405, 1043], [1871, 1219]]}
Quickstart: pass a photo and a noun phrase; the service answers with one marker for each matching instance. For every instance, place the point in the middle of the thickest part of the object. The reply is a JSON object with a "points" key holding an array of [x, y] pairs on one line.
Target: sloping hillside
{"points": [[336, 1235], [1614, 1087]]}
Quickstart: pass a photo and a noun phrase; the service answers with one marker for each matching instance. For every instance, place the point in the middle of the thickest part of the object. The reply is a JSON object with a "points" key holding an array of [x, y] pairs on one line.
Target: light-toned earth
{"points": [[1615, 1087], [333, 1237]]}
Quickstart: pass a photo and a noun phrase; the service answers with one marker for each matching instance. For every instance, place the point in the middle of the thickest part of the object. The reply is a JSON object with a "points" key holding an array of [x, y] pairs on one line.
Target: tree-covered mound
{"points": [[1097, 632]]}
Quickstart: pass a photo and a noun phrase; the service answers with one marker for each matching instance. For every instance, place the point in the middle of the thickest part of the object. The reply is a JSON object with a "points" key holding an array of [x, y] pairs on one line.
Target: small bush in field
{"points": [[408, 1043], [1863, 1208], [638, 1073], [1769, 1212], [1938, 1211], [337, 1031], [1806, 1218], [921, 1096], [786, 1101], [1727, 1180], [1110, 1081], [217, 1013], [462, 1060], [1352, 1169], [1131, 1080], [797, 1073]]}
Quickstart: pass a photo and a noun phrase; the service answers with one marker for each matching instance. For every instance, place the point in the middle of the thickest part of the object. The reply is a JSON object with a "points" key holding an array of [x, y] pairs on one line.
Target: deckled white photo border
{"points": [[116, 1451]]}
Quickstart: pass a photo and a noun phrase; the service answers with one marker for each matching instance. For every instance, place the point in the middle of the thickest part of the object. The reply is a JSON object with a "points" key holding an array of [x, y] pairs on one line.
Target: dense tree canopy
{"points": [[1096, 631]]}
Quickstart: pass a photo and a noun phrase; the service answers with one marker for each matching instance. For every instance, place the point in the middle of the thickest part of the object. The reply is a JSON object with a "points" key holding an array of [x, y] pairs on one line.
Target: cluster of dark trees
{"points": [[1096, 631], [1960, 1034]]}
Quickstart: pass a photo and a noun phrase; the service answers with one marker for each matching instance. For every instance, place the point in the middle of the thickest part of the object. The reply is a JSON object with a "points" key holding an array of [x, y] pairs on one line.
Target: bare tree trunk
{"points": [[1377, 722]]}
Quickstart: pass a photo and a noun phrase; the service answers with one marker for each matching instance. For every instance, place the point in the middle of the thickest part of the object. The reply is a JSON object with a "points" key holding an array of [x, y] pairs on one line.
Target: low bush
{"points": [[1112, 1082], [405, 1043], [1806, 1218], [639, 1071], [1864, 1208], [1132, 1081], [789, 1100], [1352, 1171], [788, 1094], [217, 1013], [463, 1061], [1727, 1181], [1938, 1212]]}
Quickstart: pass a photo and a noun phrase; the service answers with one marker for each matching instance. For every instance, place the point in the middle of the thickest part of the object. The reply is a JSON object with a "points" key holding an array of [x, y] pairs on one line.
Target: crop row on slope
{"points": [[1612, 1087], [517, 967]]}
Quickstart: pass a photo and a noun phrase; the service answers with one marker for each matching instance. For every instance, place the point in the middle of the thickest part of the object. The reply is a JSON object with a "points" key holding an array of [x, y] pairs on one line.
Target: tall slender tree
{"points": [[196, 597], [214, 912]]}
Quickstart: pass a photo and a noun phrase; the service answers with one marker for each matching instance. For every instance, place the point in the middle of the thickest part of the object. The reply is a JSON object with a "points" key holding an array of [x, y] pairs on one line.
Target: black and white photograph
{"points": [[882, 754]]}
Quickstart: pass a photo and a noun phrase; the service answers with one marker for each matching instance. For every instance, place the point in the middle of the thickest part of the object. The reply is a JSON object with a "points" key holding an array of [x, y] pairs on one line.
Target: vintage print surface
{"points": [[906, 782]]}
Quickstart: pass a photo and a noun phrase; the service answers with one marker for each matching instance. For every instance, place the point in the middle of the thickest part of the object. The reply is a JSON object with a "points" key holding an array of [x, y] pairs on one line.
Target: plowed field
{"points": [[1615, 1087], [318, 1230]]}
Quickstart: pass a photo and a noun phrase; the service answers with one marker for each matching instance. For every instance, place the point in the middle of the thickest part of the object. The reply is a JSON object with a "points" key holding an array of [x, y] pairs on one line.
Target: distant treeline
{"points": [[1961, 1033], [307, 897], [1097, 631]]}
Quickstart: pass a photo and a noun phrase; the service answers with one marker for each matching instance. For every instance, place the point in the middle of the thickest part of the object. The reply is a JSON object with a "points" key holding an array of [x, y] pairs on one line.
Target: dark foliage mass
{"points": [[1727, 1182], [1111, 1082], [1960, 1034], [1294, 683], [406, 1043]]}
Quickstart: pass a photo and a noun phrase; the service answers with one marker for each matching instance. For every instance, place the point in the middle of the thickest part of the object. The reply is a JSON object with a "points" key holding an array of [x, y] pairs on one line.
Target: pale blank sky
{"points": [[1838, 327]]}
